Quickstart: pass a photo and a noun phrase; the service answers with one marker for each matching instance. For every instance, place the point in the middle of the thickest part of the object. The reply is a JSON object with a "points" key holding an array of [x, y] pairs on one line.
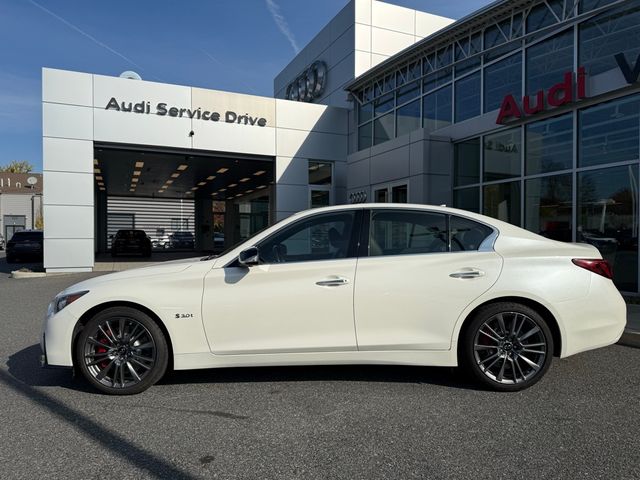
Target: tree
{"points": [[17, 167]]}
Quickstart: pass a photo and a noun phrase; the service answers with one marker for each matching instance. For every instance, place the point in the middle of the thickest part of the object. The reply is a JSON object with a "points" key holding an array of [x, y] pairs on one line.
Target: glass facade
{"points": [[569, 176]]}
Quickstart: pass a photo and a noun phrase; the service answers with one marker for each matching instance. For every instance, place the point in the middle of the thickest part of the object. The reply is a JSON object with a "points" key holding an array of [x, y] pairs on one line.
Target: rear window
{"points": [[22, 236]]}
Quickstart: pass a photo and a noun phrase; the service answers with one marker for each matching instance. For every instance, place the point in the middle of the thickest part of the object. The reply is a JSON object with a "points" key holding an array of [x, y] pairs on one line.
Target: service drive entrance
{"points": [[184, 202]]}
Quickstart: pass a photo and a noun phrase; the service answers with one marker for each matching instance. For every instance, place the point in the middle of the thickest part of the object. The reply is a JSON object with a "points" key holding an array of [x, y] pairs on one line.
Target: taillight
{"points": [[595, 265]]}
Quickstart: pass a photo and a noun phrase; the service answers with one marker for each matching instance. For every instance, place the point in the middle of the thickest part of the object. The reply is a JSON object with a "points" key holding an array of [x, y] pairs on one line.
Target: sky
{"points": [[232, 45]]}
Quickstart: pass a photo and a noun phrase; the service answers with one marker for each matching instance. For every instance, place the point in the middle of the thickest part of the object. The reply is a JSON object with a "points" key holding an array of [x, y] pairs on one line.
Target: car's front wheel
{"points": [[507, 346], [122, 351]]}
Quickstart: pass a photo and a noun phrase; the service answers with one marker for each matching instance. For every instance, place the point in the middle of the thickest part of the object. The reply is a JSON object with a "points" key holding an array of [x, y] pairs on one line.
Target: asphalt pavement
{"points": [[581, 421]]}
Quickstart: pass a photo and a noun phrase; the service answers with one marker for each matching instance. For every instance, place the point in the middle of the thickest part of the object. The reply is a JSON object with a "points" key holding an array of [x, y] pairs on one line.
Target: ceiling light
{"points": [[101, 184], [135, 180], [133, 185], [96, 170], [214, 194], [175, 175], [261, 186], [194, 189], [249, 191], [229, 198], [222, 170], [98, 177], [136, 173], [182, 167], [188, 193], [202, 183], [211, 177], [238, 195], [260, 172], [132, 189], [102, 188], [169, 182], [139, 164], [231, 185], [95, 161], [222, 190], [160, 191], [245, 179]]}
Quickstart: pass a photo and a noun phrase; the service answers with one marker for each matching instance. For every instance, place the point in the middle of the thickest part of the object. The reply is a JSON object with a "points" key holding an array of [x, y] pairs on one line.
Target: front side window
{"points": [[320, 237], [398, 232]]}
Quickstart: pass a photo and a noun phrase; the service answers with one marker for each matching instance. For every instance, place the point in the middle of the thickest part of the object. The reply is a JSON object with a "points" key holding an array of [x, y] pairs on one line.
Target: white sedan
{"points": [[363, 284]]}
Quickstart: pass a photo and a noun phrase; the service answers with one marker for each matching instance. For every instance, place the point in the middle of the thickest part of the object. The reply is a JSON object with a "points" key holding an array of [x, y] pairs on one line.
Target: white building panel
{"points": [[67, 121], [56, 219], [65, 188], [71, 88], [65, 155], [127, 90]]}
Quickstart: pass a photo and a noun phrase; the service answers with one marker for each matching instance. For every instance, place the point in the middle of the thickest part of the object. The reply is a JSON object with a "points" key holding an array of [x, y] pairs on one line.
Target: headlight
{"points": [[62, 301]]}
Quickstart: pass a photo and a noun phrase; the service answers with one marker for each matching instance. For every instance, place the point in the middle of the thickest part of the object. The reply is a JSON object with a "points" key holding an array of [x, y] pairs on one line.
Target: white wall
{"points": [[361, 35], [75, 115]]}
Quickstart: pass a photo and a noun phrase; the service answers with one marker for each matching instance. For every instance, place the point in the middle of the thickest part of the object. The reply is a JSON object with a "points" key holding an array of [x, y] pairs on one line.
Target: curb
{"points": [[22, 275], [630, 338]]}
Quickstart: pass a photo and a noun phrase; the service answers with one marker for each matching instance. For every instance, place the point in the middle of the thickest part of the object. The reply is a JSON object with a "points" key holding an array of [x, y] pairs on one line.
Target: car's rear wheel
{"points": [[507, 346], [122, 351]]}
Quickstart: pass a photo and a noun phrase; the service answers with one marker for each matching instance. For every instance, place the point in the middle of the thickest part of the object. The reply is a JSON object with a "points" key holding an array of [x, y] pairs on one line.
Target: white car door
{"points": [[298, 299], [422, 269]]}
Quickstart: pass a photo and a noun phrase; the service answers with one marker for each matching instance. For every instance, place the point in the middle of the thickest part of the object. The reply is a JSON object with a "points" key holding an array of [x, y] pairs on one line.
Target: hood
{"points": [[173, 266]]}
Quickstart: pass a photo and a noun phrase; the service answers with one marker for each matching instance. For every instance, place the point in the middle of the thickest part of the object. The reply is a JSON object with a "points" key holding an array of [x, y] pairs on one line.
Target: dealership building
{"points": [[526, 110]]}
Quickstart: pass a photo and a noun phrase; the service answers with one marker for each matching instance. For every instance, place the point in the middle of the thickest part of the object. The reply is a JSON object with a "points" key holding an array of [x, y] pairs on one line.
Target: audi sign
{"points": [[309, 84]]}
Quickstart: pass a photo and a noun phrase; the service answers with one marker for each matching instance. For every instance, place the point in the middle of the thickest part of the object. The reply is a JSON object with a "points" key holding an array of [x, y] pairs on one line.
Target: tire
{"points": [[494, 347], [122, 351]]}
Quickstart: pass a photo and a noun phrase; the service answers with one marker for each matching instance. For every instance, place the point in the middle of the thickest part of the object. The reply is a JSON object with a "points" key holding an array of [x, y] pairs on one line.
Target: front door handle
{"points": [[333, 282], [467, 273]]}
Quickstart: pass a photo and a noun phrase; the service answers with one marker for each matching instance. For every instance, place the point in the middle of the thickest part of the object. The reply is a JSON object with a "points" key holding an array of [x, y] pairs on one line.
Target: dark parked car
{"points": [[25, 245], [182, 240], [1, 242], [131, 242]]}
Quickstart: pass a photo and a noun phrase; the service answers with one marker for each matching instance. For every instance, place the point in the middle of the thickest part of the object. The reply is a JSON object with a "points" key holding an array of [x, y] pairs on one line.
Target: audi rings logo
{"points": [[309, 84], [358, 197]]}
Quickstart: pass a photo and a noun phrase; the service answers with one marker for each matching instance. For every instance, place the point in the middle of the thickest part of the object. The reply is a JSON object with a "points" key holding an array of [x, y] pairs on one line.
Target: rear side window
{"points": [[467, 235], [397, 232]]}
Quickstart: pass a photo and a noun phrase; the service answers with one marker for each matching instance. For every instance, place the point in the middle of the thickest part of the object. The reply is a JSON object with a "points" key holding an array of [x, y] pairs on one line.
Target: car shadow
{"points": [[6, 267], [24, 366]]}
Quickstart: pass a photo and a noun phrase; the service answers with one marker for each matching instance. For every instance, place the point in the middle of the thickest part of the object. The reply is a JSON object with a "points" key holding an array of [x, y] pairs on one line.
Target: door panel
{"points": [[281, 308], [413, 302]]}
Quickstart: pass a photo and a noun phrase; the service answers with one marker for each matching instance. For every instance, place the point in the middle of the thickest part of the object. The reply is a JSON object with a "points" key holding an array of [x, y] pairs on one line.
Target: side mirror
{"points": [[249, 257]]}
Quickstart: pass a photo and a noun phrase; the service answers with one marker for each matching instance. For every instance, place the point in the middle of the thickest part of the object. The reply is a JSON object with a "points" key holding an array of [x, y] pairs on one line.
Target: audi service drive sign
{"points": [[309, 84]]}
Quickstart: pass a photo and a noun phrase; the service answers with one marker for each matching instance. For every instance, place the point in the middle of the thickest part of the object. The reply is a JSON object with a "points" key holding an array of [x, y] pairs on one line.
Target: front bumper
{"points": [[56, 339]]}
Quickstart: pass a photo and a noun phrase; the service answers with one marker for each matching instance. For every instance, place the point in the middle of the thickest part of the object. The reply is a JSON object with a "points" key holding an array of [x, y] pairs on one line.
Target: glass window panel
{"points": [[399, 194], [493, 37], [408, 118], [467, 65], [467, 235], [549, 145], [467, 199], [397, 232], [466, 163], [364, 136], [383, 104], [321, 237], [547, 62], [500, 79], [502, 155], [587, 5], [365, 112], [383, 128], [468, 97], [436, 109], [608, 219], [408, 92], [461, 49], [539, 17], [548, 206], [428, 63], [501, 51], [319, 173], [437, 79], [613, 31], [320, 198], [502, 201], [609, 132], [381, 195], [443, 57]]}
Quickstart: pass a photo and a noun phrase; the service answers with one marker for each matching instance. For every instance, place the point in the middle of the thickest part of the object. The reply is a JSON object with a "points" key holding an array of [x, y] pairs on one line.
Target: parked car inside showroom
{"points": [[357, 284], [131, 242], [182, 240], [25, 246]]}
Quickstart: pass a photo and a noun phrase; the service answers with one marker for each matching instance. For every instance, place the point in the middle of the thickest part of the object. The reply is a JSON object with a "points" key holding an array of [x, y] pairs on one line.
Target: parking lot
{"points": [[581, 421]]}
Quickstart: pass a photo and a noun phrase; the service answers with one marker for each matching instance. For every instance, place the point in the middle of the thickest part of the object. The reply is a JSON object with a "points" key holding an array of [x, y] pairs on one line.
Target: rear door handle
{"points": [[333, 282], [467, 273]]}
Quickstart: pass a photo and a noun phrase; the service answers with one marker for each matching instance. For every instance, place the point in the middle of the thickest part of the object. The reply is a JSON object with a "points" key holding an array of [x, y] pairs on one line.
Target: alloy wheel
{"points": [[510, 348], [120, 352]]}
